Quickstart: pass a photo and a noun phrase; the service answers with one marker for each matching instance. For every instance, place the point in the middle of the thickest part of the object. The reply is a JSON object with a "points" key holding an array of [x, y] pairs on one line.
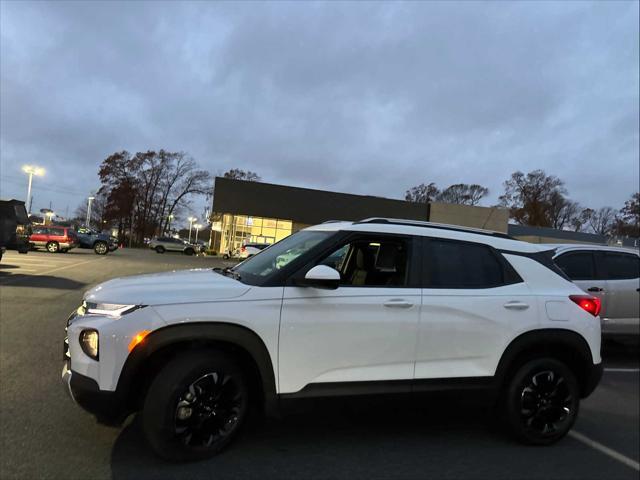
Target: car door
{"points": [[580, 267], [473, 305], [39, 236], [362, 331], [621, 271]]}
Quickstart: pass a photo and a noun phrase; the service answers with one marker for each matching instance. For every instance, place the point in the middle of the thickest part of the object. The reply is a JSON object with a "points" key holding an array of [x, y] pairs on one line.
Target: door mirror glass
{"points": [[322, 276]]}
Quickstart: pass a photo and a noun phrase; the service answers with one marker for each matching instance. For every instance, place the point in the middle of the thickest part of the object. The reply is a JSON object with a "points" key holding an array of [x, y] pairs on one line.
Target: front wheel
{"points": [[160, 249], [541, 401], [195, 406], [189, 251], [100, 248]]}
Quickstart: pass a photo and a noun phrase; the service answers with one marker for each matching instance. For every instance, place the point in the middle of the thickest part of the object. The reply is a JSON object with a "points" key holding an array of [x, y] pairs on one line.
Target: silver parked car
{"points": [[611, 274], [169, 244]]}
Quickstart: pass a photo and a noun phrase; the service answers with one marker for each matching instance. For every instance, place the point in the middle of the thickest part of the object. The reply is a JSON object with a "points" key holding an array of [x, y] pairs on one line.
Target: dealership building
{"points": [[247, 212]]}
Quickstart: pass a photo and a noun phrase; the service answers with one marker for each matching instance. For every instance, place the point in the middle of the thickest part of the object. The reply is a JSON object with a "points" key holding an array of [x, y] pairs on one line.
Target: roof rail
{"points": [[334, 221], [441, 226]]}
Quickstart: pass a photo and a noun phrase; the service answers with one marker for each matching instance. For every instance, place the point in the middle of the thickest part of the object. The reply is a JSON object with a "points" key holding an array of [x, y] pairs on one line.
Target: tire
{"points": [[541, 401], [200, 434], [53, 247], [100, 248], [225, 256], [189, 251], [160, 249]]}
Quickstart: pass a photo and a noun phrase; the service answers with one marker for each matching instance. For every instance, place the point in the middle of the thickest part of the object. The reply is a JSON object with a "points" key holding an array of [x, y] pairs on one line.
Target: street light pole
{"points": [[191, 220], [88, 220], [169, 224], [31, 171], [198, 226]]}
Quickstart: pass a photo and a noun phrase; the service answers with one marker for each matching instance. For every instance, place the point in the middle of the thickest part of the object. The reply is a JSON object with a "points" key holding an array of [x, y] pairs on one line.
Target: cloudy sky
{"points": [[368, 98]]}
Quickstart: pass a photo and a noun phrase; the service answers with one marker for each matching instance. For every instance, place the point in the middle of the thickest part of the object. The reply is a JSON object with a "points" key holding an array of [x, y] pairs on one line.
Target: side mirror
{"points": [[322, 276]]}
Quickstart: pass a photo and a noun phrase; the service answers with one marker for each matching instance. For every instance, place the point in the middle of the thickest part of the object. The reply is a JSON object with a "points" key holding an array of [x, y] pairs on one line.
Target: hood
{"points": [[183, 286]]}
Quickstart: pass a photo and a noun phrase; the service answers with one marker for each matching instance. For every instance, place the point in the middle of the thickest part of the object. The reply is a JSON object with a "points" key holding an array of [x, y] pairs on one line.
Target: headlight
{"points": [[89, 343], [109, 309]]}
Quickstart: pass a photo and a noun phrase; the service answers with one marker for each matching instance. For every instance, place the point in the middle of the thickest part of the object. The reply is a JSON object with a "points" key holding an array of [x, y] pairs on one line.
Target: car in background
{"points": [[101, 243], [169, 244], [53, 238], [613, 275], [15, 226], [247, 250], [2, 250]]}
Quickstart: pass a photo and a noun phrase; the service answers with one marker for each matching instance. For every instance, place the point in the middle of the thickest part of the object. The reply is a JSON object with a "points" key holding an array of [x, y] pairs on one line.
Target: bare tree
{"points": [[239, 174], [529, 197], [602, 220], [422, 193], [463, 194]]}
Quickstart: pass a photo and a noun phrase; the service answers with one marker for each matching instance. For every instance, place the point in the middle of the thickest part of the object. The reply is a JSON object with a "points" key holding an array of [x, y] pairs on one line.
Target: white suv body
{"points": [[341, 308]]}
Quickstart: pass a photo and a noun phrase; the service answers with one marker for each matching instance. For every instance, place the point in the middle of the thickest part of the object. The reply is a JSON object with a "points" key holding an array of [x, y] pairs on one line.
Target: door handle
{"points": [[398, 303], [516, 305], [595, 289]]}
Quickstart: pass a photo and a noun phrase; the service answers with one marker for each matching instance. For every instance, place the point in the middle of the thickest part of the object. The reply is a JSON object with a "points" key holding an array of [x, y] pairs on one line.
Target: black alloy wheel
{"points": [[208, 410], [542, 401], [195, 406]]}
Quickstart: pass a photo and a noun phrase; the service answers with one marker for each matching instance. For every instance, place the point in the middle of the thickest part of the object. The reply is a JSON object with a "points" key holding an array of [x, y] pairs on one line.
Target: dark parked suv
{"points": [[101, 243]]}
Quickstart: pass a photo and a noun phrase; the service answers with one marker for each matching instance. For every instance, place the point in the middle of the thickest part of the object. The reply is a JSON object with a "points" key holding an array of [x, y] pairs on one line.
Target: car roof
{"points": [[497, 240], [566, 247]]}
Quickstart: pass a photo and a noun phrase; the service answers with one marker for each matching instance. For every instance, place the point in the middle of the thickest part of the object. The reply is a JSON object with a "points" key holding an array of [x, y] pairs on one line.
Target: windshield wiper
{"points": [[227, 272]]}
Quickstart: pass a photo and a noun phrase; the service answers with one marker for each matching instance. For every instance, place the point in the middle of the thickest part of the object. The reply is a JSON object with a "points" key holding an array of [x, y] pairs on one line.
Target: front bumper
{"points": [[107, 407]]}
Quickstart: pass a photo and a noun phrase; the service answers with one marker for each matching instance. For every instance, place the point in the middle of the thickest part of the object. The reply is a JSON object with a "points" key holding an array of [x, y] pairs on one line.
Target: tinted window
{"points": [[577, 265], [371, 262], [621, 265], [451, 264]]}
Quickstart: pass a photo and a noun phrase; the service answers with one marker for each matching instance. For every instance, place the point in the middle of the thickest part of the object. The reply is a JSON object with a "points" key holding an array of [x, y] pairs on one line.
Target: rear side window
{"points": [[577, 265], [452, 264], [619, 266]]}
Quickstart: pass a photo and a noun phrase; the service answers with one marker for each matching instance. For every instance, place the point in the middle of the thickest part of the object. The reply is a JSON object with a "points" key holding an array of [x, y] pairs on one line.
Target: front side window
{"points": [[577, 265], [620, 266], [273, 259], [452, 264], [371, 261]]}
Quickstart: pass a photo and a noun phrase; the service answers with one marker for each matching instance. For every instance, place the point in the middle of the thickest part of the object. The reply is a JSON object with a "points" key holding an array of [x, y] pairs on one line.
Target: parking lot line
{"points": [[606, 450], [46, 272], [622, 370]]}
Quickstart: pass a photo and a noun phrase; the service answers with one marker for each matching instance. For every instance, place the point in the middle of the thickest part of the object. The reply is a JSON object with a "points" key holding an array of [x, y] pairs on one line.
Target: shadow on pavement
{"points": [[39, 281], [6, 266], [328, 439]]}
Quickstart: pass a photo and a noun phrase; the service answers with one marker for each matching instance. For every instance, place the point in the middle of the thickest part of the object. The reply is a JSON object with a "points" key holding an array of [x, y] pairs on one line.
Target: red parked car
{"points": [[53, 238]]}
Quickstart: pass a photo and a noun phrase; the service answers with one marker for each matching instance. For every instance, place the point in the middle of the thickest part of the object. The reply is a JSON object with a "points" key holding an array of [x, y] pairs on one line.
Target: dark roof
{"points": [[305, 205], [525, 230]]}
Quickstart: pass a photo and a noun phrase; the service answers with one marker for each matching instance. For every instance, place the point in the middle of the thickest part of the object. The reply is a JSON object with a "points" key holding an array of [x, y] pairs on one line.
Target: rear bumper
{"points": [[106, 406], [592, 379]]}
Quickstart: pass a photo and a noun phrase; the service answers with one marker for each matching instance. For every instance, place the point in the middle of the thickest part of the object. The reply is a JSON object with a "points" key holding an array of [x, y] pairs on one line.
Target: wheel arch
{"points": [[562, 344], [163, 344]]}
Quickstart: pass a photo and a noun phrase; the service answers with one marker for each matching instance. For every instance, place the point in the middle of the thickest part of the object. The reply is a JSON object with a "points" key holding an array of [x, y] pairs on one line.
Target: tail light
{"points": [[588, 303], [243, 249]]}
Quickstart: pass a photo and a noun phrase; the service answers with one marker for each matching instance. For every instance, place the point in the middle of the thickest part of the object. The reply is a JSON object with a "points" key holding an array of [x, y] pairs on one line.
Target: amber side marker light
{"points": [[138, 338]]}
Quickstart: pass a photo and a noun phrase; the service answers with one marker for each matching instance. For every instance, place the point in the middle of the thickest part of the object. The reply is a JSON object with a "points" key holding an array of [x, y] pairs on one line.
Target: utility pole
{"points": [[191, 220], [88, 220]]}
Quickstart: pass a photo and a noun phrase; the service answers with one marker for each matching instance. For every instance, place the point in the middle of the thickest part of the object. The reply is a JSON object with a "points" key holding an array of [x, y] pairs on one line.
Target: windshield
{"points": [[277, 256]]}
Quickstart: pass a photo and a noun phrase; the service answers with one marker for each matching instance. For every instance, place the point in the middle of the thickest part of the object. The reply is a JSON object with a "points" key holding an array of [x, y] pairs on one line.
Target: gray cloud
{"points": [[361, 97]]}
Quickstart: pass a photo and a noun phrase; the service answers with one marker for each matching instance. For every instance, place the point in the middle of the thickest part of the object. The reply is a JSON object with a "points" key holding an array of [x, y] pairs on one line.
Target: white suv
{"points": [[342, 308]]}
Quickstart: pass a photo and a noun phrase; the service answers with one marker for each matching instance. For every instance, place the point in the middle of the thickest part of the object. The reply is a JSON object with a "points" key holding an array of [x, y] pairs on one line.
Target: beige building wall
{"points": [[489, 218], [539, 239]]}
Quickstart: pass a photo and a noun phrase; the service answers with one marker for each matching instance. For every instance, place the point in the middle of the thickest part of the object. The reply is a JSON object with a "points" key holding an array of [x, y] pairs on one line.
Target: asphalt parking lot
{"points": [[44, 435]]}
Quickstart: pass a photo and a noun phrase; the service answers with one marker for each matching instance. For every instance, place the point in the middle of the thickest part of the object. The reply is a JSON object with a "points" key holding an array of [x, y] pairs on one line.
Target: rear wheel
{"points": [[100, 248], [53, 247], [195, 406], [189, 251], [541, 401], [160, 249]]}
